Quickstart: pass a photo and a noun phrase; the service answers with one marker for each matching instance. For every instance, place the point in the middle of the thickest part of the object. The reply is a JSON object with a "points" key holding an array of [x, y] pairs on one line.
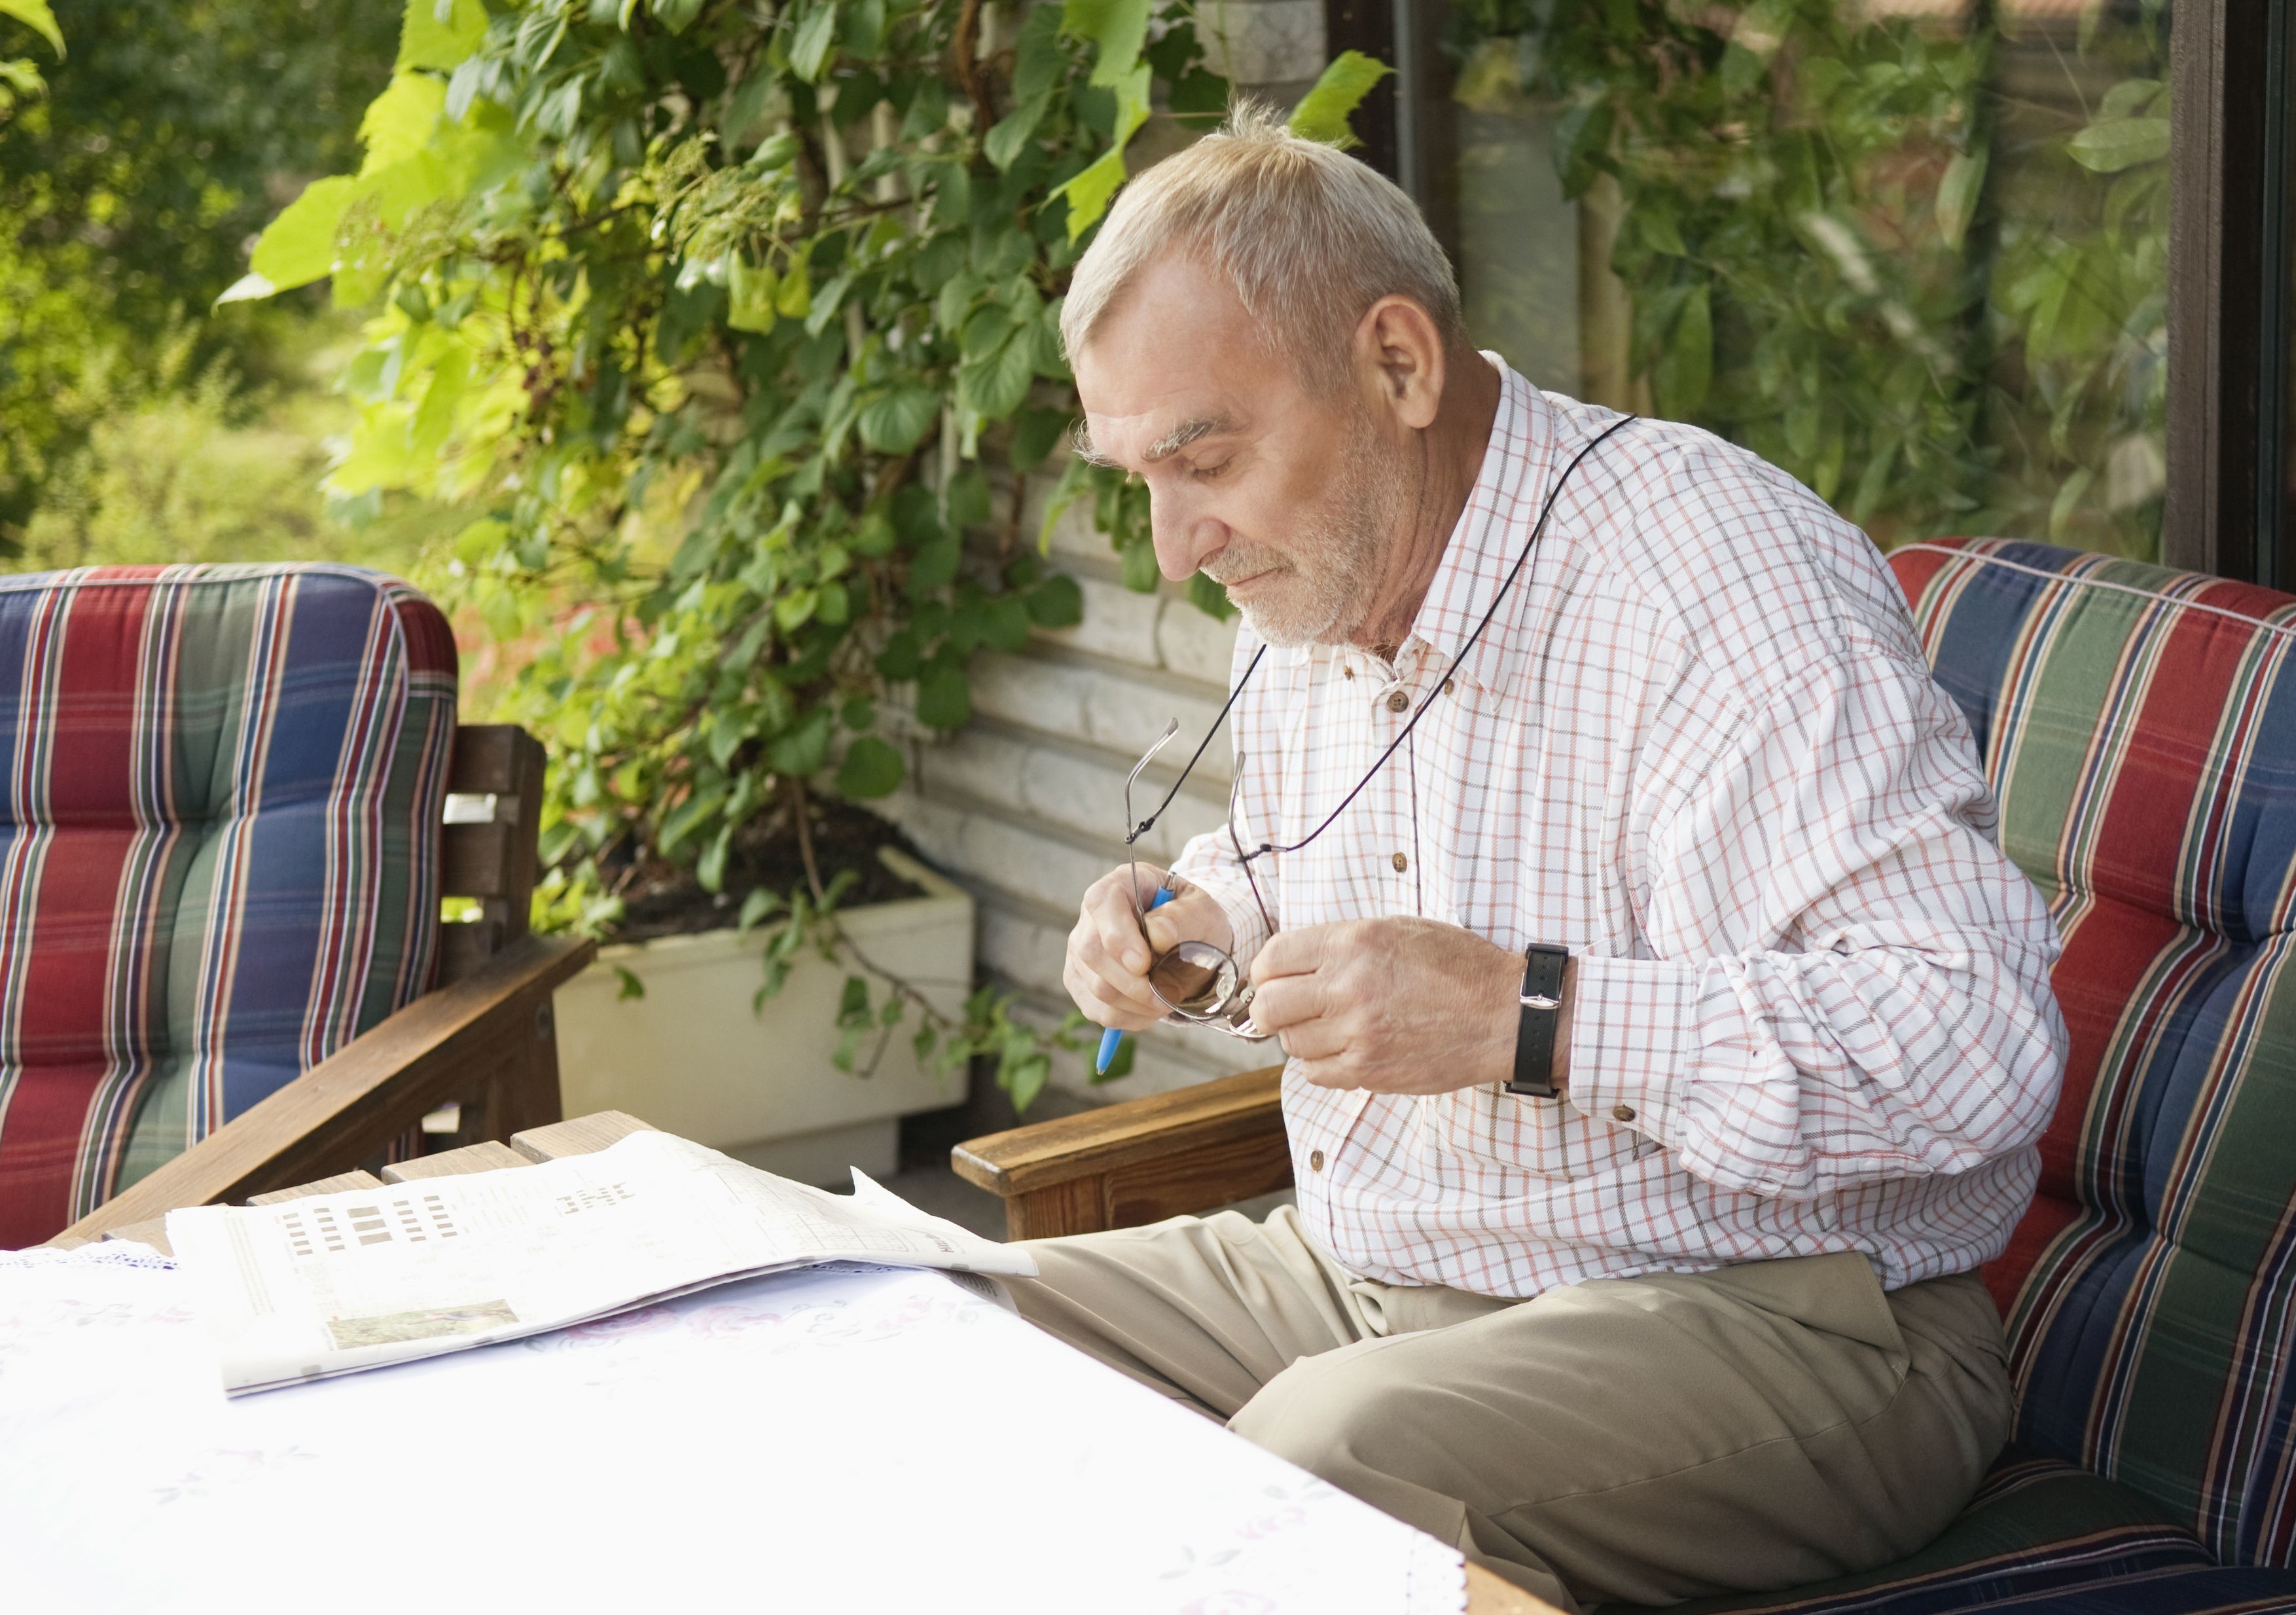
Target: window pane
{"points": [[1915, 252]]}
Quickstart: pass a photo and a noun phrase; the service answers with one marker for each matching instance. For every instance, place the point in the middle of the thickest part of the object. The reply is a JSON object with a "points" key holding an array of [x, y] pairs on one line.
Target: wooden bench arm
{"points": [[487, 1041], [1136, 1162]]}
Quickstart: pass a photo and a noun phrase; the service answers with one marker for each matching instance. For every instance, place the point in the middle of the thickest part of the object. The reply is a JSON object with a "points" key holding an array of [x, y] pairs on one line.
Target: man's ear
{"points": [[1397, 343]]}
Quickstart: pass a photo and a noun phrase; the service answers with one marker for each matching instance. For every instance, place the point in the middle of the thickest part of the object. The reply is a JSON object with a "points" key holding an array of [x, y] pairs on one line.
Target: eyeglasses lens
{"points": [[1195, 978]]}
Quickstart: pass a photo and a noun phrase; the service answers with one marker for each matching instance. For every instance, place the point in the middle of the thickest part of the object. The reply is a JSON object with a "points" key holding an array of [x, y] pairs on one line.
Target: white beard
{"points": [[1323, 589]]}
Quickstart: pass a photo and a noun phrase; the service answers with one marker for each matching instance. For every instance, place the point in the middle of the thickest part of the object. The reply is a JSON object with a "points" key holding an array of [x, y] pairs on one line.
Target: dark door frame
{"points": [[2228, 292]]}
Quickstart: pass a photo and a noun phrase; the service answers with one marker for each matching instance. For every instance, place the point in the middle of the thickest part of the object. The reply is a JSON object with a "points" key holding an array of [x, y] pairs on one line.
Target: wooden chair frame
{"points": [[1136, 1162], [483, 1039]]}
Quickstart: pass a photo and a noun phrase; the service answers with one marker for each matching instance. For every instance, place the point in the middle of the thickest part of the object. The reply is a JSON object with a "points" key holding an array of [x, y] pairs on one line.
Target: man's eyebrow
{"points": [[1080, 440], [1171, 442]]}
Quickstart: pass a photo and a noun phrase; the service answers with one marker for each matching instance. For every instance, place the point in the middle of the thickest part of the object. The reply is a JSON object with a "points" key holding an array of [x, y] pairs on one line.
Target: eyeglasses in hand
{"points": [[1196, 981]]}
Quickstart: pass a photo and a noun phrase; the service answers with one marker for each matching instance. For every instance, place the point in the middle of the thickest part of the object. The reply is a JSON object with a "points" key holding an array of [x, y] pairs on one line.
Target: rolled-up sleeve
{"points": [[1849, 979]]}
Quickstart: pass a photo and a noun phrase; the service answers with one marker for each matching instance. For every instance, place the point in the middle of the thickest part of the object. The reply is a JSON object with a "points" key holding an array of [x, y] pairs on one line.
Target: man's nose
{"points": [[1184, 535]]}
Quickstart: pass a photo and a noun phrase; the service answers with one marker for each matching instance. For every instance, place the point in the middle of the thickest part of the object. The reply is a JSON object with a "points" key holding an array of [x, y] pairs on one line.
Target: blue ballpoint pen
{"points": [[1112, 1038]]}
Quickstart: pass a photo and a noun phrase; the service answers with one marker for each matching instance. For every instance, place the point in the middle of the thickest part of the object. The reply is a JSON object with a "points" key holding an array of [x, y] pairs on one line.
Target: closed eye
{"points": [[1205, 474]]}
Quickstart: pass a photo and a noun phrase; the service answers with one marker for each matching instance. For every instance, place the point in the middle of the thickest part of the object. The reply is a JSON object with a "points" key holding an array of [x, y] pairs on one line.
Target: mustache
{"points": [[1237, 562]]}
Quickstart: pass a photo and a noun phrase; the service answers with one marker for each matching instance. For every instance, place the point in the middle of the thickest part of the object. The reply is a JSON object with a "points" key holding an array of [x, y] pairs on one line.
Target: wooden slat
{"points": [[485, 760], [579, 1135], [488, 1156], [1095, 1142], [324, 1185], [464, 946], [1490, 1593], [440, 1047], [474, 860]]}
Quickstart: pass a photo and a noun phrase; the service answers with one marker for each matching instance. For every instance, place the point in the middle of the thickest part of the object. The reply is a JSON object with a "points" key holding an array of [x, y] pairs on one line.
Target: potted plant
{"points": [[720, 315], [681, 991]]}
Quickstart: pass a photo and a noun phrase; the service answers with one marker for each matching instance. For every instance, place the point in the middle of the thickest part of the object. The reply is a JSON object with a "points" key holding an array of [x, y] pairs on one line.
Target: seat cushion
{"points": [[2138, 726], [2041, 1534], [220, 789]]}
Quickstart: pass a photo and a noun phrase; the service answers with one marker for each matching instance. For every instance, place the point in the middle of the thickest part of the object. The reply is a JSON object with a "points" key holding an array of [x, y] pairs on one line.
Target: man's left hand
{"points": [[1398, 1005]]}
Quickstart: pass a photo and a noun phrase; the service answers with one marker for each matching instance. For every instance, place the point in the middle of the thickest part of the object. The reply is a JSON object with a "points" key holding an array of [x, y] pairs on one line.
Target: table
{"points": [[1486, 1594]]}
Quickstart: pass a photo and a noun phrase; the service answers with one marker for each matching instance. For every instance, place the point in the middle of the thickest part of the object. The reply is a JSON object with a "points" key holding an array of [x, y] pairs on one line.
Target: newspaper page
{"points": [[333, 1283]]}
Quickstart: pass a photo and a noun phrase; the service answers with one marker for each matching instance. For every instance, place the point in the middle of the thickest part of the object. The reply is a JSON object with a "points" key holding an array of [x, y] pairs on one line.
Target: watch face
{"points": [[1540, 1001]]}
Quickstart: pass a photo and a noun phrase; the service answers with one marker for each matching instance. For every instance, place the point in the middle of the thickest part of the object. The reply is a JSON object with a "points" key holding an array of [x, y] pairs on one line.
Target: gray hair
{"points": [[1308, 237]]}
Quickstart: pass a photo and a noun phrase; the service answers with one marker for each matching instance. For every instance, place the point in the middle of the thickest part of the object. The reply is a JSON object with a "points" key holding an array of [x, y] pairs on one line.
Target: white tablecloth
{"points": [[858, 1440]]}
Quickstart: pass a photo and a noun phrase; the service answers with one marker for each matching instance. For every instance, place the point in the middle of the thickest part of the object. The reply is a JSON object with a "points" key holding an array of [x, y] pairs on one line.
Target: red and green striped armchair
{"points": [[223, 846]]}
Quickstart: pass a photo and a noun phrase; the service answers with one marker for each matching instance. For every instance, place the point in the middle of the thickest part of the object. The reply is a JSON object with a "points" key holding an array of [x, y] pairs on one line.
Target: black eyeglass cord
{"points": [[1538, 529], [1149, 824]]}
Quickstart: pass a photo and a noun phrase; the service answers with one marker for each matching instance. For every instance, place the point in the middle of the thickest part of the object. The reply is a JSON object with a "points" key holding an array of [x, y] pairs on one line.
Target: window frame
{"points": [[2230, 507]]}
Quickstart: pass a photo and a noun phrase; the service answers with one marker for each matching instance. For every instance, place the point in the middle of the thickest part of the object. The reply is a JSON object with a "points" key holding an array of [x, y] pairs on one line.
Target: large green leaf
{"points": [[438, 34], [1037, 60], [804, 749], [1117, 28], [896, 423], [750, 297], [1089, 193], [809, 46], [870, 769], [944, 699], [1323, 112], [999, 385], [36, 15], [1956, 197], [299, 246], [399, 122], [1685, 372], [1006, 140], [2120, 143]]}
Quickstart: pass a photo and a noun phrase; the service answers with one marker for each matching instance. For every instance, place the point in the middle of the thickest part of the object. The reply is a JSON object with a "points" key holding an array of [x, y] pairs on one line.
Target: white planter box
{"points": [[691, 1057]]}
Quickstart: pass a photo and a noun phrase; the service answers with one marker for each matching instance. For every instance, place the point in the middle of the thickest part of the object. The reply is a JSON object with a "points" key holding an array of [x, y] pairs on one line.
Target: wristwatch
{"points": [[1542, 1006]]}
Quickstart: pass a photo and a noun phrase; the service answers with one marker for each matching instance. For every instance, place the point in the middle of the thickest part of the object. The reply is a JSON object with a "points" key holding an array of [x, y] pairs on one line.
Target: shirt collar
{"points": [[1488, 537]]}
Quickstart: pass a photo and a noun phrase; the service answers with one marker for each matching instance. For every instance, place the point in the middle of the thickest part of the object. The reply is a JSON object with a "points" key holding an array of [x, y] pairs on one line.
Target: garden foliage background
{"points": [[699, 354]]}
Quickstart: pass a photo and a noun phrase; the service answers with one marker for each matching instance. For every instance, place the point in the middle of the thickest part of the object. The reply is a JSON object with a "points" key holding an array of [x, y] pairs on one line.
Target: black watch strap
{"points": [[1542, 1006]]}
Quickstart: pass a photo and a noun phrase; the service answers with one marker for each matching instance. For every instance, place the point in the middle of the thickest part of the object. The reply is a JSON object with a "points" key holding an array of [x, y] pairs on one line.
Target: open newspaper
{"points": [[333, 1284]]}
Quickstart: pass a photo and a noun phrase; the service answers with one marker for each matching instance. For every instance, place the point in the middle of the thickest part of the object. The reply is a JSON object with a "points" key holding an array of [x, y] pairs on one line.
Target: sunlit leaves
{"points": [[1324, 111], [1116, 29], [36, 15], [438, 34], [299, 246], [732, 332]]}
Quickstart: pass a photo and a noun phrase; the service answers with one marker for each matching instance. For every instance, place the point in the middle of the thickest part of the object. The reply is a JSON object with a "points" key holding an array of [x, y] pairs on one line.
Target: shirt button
{"points": [[1347, 672], [1399, 702], [1401, 863], [1315, 1161], [1447, 686], [1622, 1113]]}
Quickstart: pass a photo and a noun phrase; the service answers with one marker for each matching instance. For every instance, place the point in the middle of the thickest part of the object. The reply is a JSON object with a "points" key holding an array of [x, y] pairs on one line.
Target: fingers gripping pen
{"points": [[1111, 1039]]}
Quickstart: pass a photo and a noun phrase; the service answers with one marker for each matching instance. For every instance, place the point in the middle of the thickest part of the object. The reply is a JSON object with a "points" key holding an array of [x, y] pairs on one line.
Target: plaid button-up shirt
{"points": [[1700, 746]]}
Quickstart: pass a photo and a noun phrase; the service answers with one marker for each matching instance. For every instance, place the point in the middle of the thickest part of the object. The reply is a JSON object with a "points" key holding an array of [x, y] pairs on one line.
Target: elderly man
{"points": [[1668, 1039]]}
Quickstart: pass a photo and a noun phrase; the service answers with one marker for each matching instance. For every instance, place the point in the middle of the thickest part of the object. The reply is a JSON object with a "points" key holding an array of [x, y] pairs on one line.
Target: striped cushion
{"points": [[2037, 1530], [219, 852], [2140, 727]]}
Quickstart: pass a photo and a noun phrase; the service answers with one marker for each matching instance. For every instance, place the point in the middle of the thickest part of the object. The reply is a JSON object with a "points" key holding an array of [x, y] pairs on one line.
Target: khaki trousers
{"points": [[1642, 1440]]}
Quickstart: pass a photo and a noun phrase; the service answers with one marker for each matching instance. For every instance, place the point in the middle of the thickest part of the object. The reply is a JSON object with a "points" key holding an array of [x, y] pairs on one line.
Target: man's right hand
{"points": [[1107, 968]]}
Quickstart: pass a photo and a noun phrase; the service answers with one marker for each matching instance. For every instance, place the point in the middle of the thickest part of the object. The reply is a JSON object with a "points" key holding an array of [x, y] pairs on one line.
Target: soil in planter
{"points": [[663, 899]]}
